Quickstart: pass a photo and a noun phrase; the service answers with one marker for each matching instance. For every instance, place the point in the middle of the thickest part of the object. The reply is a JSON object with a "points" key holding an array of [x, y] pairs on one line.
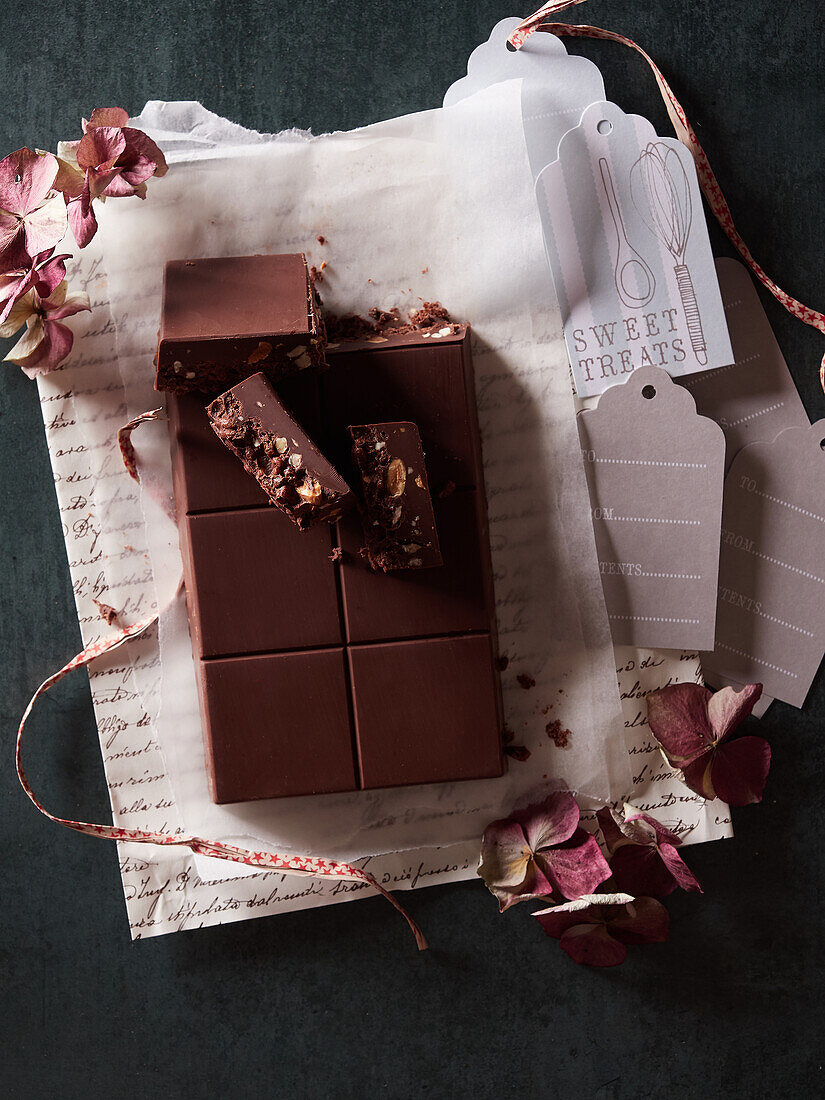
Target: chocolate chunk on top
{"points": [[251, 421], [228, 317], [399, 524]]}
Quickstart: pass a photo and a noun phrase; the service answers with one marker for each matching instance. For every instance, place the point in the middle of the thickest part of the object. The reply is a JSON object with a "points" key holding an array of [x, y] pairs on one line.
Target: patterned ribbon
{"points": [[684, 132], [268, 861]]}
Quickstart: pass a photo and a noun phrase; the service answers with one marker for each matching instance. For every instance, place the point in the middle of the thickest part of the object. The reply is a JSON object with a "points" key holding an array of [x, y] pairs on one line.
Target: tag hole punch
{"points": [[605, 127], [822, 444], [648, 392], [510, 46]]}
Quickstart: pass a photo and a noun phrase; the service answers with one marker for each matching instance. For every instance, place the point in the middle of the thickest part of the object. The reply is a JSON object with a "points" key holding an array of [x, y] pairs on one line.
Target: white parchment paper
{"points": [[437, 206], [117, 556]]}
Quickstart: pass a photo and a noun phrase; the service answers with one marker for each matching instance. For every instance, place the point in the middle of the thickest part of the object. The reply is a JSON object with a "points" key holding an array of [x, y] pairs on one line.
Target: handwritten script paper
{"points": [[109, 557]]}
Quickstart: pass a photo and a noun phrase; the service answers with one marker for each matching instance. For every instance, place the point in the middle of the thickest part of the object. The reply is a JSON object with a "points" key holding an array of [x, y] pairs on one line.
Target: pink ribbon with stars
{"points": [[538, 21]]}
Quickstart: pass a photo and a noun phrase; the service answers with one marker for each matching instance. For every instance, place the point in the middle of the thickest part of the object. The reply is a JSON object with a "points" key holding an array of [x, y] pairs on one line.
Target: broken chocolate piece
{"points": [[250, 420], [226, 318], [397, 509]]}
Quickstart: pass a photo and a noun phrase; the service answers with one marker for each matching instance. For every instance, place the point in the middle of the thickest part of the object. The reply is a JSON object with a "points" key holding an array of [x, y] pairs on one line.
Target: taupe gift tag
{"points": [[771, 612], [755, 397], [655, 471]]}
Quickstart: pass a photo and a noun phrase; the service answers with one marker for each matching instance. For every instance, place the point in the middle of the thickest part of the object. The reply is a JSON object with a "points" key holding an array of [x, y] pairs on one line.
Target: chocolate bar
{"points": [[250, 420], [399, 525], [226, 318], [316, 673]]}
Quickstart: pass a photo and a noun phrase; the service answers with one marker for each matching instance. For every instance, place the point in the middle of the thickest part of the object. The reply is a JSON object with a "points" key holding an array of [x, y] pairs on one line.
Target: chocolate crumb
{"points": [[507, 735], [337, 554], [557, 734], [107, 613], [321, 239], [315, 276], [383, 322], [525, 681], [502, 662], [430, 314], [447, 490], [518, 752]]}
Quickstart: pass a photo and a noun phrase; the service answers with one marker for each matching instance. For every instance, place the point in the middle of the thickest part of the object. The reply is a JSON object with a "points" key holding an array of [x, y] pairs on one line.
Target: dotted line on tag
{"points": [[653, 519], [784, 564], [719, 370], [790, 626], [759, 661], [650, 619], [652, 462], [753, 416], [787, 504], [675, 576]]}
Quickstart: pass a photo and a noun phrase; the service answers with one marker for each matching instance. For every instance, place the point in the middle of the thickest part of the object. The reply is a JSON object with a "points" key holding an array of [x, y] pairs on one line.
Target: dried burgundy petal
{"points": [[643, 856], [595, 929], [640, 870], [32, 221], [678, 718], [644, 920], [698, 745], [505, 854], [728, 708], [593, 945], [106, 116], [549, 822], [740, 769], [575, 867], [540, 851]]}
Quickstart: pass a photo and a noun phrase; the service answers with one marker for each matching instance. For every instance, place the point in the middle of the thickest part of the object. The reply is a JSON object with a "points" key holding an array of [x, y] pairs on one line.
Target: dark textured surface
{"points": [[337, 1002]]}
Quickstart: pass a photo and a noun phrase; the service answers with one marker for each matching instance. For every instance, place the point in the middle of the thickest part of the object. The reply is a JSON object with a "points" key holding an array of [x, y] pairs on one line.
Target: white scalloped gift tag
{"points": [[628, 247], [655, 471]]}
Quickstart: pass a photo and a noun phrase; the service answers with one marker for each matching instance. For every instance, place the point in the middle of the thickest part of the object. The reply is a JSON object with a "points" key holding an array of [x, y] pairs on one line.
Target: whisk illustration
{"points": [[661, 193]]}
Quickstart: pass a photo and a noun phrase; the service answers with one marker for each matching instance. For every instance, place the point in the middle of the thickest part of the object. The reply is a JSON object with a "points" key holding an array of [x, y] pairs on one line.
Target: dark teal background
{"points": [[337, 1002]]}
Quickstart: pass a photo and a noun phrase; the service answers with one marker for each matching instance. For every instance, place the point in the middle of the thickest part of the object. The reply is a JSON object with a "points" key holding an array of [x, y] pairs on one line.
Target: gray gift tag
{"points": [[753, 398], [770, 619], [628, 247], [655, 472]]}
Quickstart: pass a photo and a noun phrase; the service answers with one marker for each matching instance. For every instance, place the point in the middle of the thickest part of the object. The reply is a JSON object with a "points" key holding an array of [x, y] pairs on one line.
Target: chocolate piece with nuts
{"points": [[251, 421], [399, 524], [226, 318]]}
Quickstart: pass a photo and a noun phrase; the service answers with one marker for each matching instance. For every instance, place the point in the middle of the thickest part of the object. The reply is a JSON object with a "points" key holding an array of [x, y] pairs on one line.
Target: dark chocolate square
{"points": [[277, 725], [254, 583], [426, 711], [429, 383], [409, 603]]}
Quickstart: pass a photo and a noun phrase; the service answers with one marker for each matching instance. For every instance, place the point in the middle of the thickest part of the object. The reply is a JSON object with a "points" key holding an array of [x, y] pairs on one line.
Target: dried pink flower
{"points": [[112, 159], [594, 930], [693, 724], [46, 342], [44, 274], [643, 857], [539, 852], [32, 213]]}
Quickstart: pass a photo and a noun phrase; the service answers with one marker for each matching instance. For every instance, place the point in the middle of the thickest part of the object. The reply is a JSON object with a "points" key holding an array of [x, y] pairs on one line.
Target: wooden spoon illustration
{"points": [[635, 283]]}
